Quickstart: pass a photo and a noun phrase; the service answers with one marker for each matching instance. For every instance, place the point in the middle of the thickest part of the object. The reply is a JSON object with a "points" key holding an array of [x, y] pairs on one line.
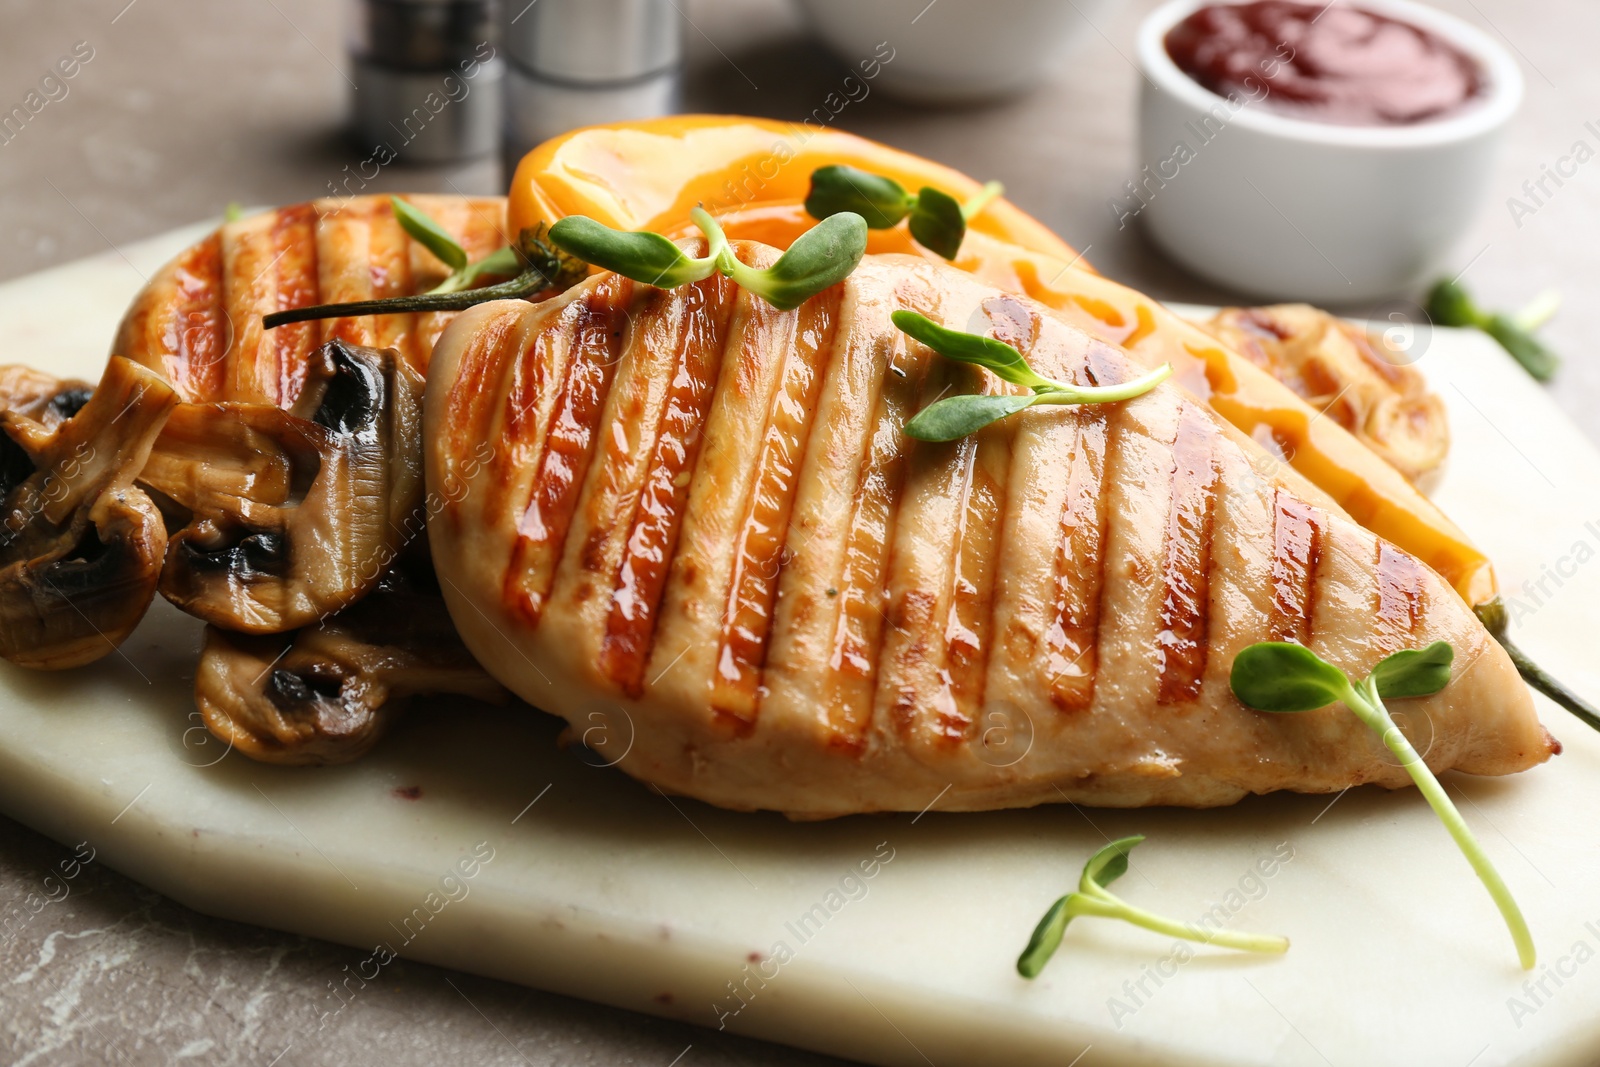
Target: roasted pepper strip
{"points": [[754, 175]]}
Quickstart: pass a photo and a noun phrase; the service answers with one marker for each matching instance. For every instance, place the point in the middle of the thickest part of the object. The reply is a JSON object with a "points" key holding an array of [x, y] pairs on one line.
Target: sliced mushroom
{"points": [[40, 396], [325, 694], [81, 547], [289, 516]]}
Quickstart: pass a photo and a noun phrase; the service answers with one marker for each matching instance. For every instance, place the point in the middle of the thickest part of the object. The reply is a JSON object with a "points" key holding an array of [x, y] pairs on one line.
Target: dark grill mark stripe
{"points": [[569, 444], [1181, 644], [851, 684], [197, 336], [294, 240], [1296, 551], [344, 236], [389, 267], [475, 391], [762, 540], [653, 537], [969, 620], [1071, 640], [1399, 602]]}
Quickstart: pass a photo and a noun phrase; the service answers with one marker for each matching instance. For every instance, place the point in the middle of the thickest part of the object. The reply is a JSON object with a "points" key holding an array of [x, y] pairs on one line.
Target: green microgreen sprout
{"points": [[233, 212], [463, 275], [938, 220], [1450, 305], [531, 267], [822, 256], [1285, 678], [957, 416], [1496, 619], [1092, 898]]}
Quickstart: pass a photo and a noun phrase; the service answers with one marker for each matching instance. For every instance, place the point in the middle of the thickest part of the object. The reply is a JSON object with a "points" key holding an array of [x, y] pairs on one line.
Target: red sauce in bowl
{"points": [[1333, 64]]}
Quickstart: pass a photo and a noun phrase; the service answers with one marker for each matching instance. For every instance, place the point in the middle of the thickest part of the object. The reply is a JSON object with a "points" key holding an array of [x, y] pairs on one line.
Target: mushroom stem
{"points": [[325, 694]]}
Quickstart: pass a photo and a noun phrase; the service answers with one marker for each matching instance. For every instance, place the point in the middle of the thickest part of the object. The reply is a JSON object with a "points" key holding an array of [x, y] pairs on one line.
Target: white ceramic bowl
{"points": [[1288, 209], [950, 51]]}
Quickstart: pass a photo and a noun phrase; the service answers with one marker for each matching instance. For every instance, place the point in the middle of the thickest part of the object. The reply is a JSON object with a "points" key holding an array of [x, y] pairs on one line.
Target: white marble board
{"points": [[601, 889]]}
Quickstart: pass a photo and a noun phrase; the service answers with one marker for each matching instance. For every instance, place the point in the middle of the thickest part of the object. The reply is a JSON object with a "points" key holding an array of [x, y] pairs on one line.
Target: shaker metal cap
{"points": [[592, 42]]}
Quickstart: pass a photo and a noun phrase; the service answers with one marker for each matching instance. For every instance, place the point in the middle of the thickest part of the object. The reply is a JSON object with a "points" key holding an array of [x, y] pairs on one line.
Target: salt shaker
{"points": [[428, 78], [580, 62]]}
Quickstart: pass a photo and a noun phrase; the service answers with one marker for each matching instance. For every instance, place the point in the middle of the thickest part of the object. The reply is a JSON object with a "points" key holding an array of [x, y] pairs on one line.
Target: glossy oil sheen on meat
{"points": [[198, 320], [691, 525]]}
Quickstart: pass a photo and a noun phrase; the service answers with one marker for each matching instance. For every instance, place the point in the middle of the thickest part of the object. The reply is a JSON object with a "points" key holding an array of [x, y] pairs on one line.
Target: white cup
{"points": [[1287, 209]]}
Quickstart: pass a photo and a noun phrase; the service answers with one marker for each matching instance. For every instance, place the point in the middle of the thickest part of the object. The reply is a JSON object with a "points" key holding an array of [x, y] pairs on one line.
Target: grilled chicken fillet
{"points": [[690, 524]]}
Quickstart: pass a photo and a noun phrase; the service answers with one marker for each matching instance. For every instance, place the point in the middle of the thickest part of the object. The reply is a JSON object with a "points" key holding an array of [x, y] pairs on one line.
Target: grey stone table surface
{"points": [[186, 105]]}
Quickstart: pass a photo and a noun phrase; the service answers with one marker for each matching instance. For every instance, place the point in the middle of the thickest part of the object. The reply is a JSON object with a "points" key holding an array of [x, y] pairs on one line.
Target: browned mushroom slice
{"points": [[80, 546], [327, 693], [40, 396], [289, 516]]}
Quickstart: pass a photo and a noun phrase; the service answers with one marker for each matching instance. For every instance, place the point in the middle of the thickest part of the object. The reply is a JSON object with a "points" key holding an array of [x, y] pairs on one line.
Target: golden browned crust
{"points": [[690, 524], [198, 321]]}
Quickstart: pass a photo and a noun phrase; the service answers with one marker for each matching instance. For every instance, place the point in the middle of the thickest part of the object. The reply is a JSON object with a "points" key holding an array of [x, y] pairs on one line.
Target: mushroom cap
{"points": [[81, 547], [290, 516]]}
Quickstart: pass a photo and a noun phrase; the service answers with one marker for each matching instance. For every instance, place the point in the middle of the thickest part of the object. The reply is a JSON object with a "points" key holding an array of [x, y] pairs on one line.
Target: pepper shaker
{"points": [[428, 78], [580, 62]]}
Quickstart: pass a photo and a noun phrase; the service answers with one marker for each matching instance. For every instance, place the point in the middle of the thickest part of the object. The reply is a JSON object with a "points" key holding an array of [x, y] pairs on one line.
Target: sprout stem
{"points": [[523, 285], [1110, 906], [1538, 311], [981, 199], [1066, 393], [1368, 706], [1495, 619]]}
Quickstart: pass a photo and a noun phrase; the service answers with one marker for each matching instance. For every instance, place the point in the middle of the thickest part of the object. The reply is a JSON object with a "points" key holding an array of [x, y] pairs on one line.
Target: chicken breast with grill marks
{"points": [[690, 524]]}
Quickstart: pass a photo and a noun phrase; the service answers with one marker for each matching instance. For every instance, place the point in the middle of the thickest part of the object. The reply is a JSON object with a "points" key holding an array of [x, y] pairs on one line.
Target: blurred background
{"points": [[187, 106], [181, 107]]}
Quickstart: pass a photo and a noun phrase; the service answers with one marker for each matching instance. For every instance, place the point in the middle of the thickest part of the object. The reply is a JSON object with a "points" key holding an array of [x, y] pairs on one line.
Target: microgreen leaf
{"points": [[937, 222], [822, 256], [1280, 677], [1414, 672], [1092, 898], [1005, 361], [881, 201], [1110, 863], [233, 212], [641, 255], [429, 234], [1305, 677], [1450, 305], [818, 258], [1046, 938], [955, 417]]}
